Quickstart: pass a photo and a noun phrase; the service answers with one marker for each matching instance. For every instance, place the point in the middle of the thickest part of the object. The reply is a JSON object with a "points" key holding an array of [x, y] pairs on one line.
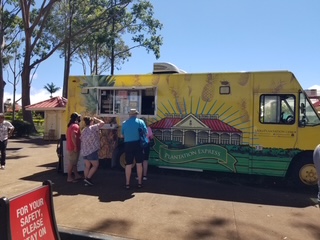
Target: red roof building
{"points": [[54, 116], [55, 103], [17, 108]]}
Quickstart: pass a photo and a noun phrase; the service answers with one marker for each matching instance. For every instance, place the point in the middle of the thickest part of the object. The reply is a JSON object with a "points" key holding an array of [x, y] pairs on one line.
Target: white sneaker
{"points": [[88, 181], [143, 178], [2, 167]]}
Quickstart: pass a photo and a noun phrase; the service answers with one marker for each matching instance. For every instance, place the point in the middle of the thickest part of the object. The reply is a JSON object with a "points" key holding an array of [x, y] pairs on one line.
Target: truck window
{"points": [[277, 109], [120, 101], [308, 116]]}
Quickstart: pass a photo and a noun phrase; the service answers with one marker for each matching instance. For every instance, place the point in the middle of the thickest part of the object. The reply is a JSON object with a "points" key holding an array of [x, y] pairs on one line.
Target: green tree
{"points": [[51, 88], [15, 68], [40, 43], [68, 28], [78, 20], [106, 48], [102, 46], [9, 29]]}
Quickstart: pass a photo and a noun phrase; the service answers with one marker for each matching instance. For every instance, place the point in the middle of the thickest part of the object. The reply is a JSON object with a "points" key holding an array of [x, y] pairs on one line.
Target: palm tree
{"points": [[51, 88]]}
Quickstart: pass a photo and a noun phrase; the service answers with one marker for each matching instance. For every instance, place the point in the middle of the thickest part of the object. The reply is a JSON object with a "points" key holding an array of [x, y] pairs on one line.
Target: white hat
{"points": [[133, 111]]}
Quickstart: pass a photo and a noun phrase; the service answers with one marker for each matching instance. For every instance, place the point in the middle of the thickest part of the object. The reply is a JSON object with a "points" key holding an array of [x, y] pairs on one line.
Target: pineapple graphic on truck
{"points": [[260, 123]]}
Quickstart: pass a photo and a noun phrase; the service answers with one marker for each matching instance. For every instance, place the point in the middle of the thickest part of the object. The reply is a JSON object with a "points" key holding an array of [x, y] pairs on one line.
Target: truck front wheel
{"points": [[304, 173]]}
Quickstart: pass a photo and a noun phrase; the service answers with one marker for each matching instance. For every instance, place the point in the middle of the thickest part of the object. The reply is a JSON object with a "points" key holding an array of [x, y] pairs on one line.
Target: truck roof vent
{"points": [[162, 68]]}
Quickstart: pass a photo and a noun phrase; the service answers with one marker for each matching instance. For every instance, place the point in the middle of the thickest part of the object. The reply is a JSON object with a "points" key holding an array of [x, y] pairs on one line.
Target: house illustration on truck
{"points": [[191, 130]]}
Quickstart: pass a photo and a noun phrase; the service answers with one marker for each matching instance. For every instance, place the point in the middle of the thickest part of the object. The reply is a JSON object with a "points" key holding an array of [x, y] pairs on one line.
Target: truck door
{"points": [[274, 133]]}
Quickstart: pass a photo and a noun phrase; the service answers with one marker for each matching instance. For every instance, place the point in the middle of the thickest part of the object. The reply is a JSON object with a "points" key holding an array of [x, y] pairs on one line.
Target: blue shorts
{"points": [[92, 156]]}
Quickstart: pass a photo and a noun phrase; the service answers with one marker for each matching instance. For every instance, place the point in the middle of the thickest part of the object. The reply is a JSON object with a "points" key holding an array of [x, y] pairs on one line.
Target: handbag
{"points": [[143, 139]]}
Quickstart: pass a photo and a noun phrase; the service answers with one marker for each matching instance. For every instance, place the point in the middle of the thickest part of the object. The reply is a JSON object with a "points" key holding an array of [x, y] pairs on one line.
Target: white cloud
{"points": [[315, 87], [36, 95]]}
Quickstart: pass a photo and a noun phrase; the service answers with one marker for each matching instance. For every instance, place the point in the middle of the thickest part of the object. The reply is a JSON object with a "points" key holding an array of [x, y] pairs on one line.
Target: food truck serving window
{"points": [[120, 101]]}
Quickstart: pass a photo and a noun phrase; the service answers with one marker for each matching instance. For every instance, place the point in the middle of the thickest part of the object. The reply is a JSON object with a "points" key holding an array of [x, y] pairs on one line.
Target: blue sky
{"points": [[220, 36]]}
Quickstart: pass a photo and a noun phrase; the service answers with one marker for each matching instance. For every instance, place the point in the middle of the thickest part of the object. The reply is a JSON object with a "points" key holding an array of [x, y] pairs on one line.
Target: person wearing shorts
{"points": [[132, 148], [73, 147], [90, 145], [146, 151]]}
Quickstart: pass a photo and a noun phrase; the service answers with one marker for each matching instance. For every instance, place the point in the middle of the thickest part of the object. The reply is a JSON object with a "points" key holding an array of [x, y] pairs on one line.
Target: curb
{"points": [[71, 234]]}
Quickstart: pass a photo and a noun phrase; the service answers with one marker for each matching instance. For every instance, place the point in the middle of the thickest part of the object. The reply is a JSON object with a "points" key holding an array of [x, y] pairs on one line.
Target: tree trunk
{"points": [[27, 115], [25, 94], [66, 70], [2, 83], [1, 65], [67, 51]]}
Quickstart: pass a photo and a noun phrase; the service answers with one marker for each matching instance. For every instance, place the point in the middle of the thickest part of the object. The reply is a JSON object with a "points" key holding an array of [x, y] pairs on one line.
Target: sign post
{"points": [[29, 216]]}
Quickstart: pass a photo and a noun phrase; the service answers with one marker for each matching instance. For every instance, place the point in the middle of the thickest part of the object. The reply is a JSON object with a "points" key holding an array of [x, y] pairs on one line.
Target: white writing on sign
{"points": [[31, 220]]}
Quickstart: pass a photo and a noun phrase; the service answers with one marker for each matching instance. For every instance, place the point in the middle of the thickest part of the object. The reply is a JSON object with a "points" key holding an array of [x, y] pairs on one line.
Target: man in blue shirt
{"points": [[133, 150]]}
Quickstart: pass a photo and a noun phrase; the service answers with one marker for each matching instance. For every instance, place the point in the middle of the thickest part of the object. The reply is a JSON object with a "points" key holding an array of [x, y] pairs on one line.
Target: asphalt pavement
{"points": [[171, 205]]}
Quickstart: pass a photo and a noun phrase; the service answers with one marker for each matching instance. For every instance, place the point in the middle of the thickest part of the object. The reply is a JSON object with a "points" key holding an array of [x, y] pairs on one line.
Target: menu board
{"points": [[119, 101], [106, 102]]}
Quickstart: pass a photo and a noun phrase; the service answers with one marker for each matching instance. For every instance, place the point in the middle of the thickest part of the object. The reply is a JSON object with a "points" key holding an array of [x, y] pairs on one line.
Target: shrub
{"points": [[21, 128]]}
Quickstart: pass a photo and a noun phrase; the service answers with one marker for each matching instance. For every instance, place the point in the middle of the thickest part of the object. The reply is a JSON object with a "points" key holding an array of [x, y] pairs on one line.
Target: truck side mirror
{"points": [[302, 108]]}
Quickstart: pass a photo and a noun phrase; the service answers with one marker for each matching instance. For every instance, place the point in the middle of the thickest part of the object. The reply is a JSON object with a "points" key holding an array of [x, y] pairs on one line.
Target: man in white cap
{"points": [[133, 150], [6, 131]]}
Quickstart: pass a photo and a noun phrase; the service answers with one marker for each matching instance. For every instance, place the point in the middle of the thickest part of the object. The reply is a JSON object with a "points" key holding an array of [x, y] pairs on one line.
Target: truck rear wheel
{"points": [[121, 158], [304, 173]]}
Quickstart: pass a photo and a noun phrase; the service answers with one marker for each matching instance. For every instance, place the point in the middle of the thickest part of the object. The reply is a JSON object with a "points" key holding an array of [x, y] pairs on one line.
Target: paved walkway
{"points": [[172, 205]]}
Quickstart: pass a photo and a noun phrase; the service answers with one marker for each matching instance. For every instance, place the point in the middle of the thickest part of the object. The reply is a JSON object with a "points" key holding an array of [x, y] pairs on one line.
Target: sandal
{"points": [[139, 185], [127, 187], [72, 181]]}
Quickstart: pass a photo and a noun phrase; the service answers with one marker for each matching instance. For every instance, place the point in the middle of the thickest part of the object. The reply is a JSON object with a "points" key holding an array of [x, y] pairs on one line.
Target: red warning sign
{"points": [[31, 215]]}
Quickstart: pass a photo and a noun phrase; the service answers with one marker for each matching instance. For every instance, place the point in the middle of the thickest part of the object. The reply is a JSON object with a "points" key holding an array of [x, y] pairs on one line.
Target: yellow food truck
{"points": [[260, 123]]}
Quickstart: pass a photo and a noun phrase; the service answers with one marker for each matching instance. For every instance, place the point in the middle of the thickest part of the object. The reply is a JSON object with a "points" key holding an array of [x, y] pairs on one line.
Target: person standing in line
{"points": [[146, 150], [73, 147], [90, 145], [133, 150], [6, 131], [316, 161]]}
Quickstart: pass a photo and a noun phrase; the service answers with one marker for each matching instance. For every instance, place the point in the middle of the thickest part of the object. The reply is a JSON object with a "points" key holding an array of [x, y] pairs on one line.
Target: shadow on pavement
{"points": [[39, 141], [109, 187]]}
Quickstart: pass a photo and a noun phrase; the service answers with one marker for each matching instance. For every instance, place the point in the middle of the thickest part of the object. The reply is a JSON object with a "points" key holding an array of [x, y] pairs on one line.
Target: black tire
{"points": [[119, 157]]}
